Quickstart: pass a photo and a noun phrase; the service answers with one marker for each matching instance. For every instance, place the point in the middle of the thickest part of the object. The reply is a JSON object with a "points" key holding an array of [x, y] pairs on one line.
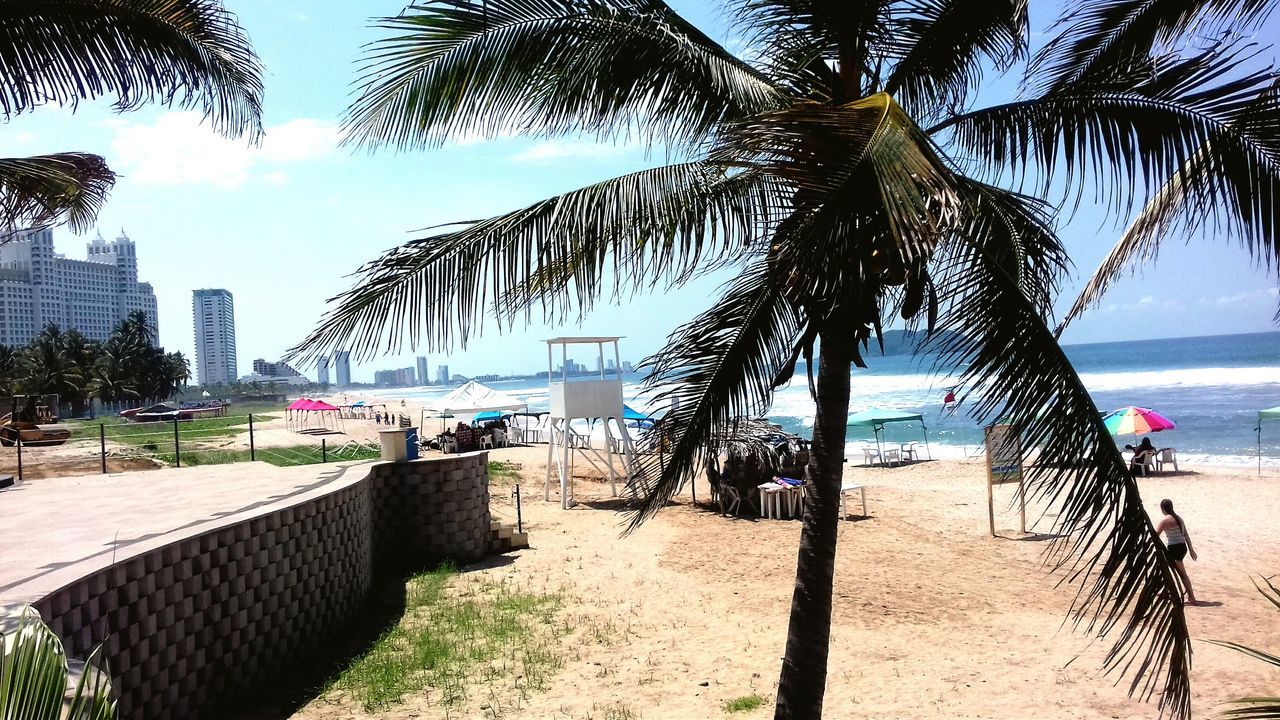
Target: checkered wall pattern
{"points": [[214, 613]]}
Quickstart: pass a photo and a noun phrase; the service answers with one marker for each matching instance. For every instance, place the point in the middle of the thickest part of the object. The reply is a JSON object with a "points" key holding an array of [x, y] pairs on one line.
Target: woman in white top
{"points": [[1179, 544]]}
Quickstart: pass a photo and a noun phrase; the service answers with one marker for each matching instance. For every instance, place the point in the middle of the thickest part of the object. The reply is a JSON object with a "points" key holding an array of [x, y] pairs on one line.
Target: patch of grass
{"points": [[278, 456], [501, 470], [455, 634], [125, 432], [746, 703]]}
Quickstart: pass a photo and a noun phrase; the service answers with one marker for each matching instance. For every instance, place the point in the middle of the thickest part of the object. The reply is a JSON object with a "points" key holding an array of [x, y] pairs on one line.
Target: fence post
{"points": [[177, 449], [324, 450], [253, 455], [19, 444], [102, 444]]}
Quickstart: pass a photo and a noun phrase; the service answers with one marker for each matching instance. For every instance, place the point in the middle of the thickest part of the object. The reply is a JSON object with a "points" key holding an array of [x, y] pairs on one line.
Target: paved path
{"points": [[53, 531]]}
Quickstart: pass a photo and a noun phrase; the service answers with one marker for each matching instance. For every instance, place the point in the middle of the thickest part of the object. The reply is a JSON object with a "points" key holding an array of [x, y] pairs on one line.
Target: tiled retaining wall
{"points": [[218, 611]]}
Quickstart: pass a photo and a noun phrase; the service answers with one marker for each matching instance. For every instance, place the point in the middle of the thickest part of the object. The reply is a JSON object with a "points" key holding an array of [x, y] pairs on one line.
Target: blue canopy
{"points": [[876, 418], [358, 403], [488, 415], [630, 414]]}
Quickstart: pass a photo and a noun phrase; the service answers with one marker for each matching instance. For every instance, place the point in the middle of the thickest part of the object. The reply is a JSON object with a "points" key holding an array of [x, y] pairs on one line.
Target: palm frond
{"points": [[993, 276], [33, 676], [191, 53], [1126, 140], [1256, 708], [609, 68], [1229, 188], [870, 189], [1100, 39], [948, 42], [656, 227], [718, 367], [52, 189], [795, 37]]}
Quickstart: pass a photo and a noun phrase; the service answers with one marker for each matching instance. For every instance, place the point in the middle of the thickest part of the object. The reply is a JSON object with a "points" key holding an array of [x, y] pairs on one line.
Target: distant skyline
{"points": [[281, 226]]}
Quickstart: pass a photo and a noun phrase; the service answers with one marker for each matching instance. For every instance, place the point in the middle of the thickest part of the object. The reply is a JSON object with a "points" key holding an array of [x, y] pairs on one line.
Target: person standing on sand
{"points": [[1179, 544]]}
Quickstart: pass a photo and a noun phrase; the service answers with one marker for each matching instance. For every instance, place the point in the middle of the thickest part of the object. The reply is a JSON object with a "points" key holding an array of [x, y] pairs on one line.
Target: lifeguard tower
{"points": [[575, 396]]}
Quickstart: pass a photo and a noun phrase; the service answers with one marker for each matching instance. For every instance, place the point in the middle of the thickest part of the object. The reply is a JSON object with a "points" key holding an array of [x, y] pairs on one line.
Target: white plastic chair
{"points": [[892, 456], [848, 489], [1167, 456], [870, 455]]}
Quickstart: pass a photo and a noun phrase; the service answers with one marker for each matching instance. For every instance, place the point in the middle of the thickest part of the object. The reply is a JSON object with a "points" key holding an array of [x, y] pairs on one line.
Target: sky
{"points": [[283, 225]]}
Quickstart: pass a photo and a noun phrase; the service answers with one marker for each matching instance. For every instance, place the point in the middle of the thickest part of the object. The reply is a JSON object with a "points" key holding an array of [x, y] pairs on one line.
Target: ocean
{"points": [[1212, 387]]}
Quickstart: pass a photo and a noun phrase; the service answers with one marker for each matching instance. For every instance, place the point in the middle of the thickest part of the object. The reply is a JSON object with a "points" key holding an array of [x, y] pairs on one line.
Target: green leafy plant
{"points": [[746, 703], [1256, 707], [33, 677]]}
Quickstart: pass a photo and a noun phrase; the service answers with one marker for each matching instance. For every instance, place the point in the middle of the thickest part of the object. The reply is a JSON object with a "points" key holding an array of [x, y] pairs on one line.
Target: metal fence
{"points": [[116, 446]]}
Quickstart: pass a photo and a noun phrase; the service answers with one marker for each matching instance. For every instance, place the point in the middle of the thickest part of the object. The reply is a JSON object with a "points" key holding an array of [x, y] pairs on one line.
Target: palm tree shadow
{"points": [[1034, 537]]}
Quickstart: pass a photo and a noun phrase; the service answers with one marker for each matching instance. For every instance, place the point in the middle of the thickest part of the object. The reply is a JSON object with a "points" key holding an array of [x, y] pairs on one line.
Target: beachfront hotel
{"points": [[39, 286], [215, 328]]}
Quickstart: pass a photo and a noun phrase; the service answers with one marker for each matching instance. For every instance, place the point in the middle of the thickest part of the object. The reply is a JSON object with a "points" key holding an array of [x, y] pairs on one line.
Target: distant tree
{"points": [[47, 369], [9, 361], [82, 353], [189, 53]]}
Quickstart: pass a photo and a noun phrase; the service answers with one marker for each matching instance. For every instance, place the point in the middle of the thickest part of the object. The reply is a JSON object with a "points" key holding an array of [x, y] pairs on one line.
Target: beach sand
{"points": [[933, 617]]}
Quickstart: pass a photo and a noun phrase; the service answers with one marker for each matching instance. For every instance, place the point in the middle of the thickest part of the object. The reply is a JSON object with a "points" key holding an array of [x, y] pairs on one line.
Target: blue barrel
{"points": [[411, 443]]}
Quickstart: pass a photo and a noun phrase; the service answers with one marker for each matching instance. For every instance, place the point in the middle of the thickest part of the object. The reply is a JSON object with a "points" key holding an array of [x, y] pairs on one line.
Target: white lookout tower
{"points": [[585, 398]]}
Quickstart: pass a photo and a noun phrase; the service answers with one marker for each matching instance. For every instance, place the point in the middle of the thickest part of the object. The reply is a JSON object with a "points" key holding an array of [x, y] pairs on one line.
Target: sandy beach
{"points": [[933, 617]]}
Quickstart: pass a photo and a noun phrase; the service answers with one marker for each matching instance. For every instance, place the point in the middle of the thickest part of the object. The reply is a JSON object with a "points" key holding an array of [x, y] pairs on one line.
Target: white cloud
{"points": [[1251, 297], [553, 150], [1147, 300], [177, 149]]}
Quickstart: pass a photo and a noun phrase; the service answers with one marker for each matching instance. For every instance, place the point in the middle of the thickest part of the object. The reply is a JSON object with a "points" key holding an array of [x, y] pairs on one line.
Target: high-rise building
{"points": [[627, 367], [215, 325], [442, 374], [401, 377], [322, 370], [38, 286], [342, 367], [423, 376], [274, 369]]}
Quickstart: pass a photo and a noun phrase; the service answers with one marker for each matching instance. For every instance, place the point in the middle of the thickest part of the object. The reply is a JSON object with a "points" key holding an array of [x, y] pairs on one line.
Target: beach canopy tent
{"points": [[473, 399], [1269, 414], [876, 419], [300, 413]]}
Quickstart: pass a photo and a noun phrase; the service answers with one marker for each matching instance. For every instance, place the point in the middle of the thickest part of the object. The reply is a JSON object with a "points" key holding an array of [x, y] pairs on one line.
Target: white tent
{"points": [[474, 398]]}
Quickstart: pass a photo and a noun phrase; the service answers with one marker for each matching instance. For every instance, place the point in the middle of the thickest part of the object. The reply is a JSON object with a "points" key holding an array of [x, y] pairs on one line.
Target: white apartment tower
{"points": [[215, 321], [38, 286]]}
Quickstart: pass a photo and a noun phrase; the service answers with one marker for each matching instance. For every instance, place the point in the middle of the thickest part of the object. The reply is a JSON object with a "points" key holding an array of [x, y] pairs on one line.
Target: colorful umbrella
{"points": [[1137, 421]]}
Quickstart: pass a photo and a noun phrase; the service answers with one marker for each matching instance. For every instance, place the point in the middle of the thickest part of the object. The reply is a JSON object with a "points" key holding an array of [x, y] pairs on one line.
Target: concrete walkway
{"points": [[54, 531]]}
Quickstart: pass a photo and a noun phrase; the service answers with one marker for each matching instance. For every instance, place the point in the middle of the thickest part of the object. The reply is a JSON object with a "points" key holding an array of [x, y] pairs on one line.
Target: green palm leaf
{"points": [[604, 67], [947, 42], [1133, 134], [52, 189], [718, 367], [650, 228], [994, 278], [1101, 39], [185, 52], [1229, 187], [34, 672]]}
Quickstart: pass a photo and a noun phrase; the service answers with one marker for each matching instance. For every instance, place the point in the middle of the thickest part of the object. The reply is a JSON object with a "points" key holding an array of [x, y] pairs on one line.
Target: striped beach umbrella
{"points": [[1137, 421]]}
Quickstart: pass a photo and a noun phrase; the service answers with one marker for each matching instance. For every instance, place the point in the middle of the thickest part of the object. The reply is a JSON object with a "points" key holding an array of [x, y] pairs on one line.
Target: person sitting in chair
{"points": [[1141, 454]]}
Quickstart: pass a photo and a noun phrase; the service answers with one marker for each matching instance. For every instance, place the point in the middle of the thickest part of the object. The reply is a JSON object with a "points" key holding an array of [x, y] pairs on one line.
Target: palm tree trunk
{"points": [[804, 667]]}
